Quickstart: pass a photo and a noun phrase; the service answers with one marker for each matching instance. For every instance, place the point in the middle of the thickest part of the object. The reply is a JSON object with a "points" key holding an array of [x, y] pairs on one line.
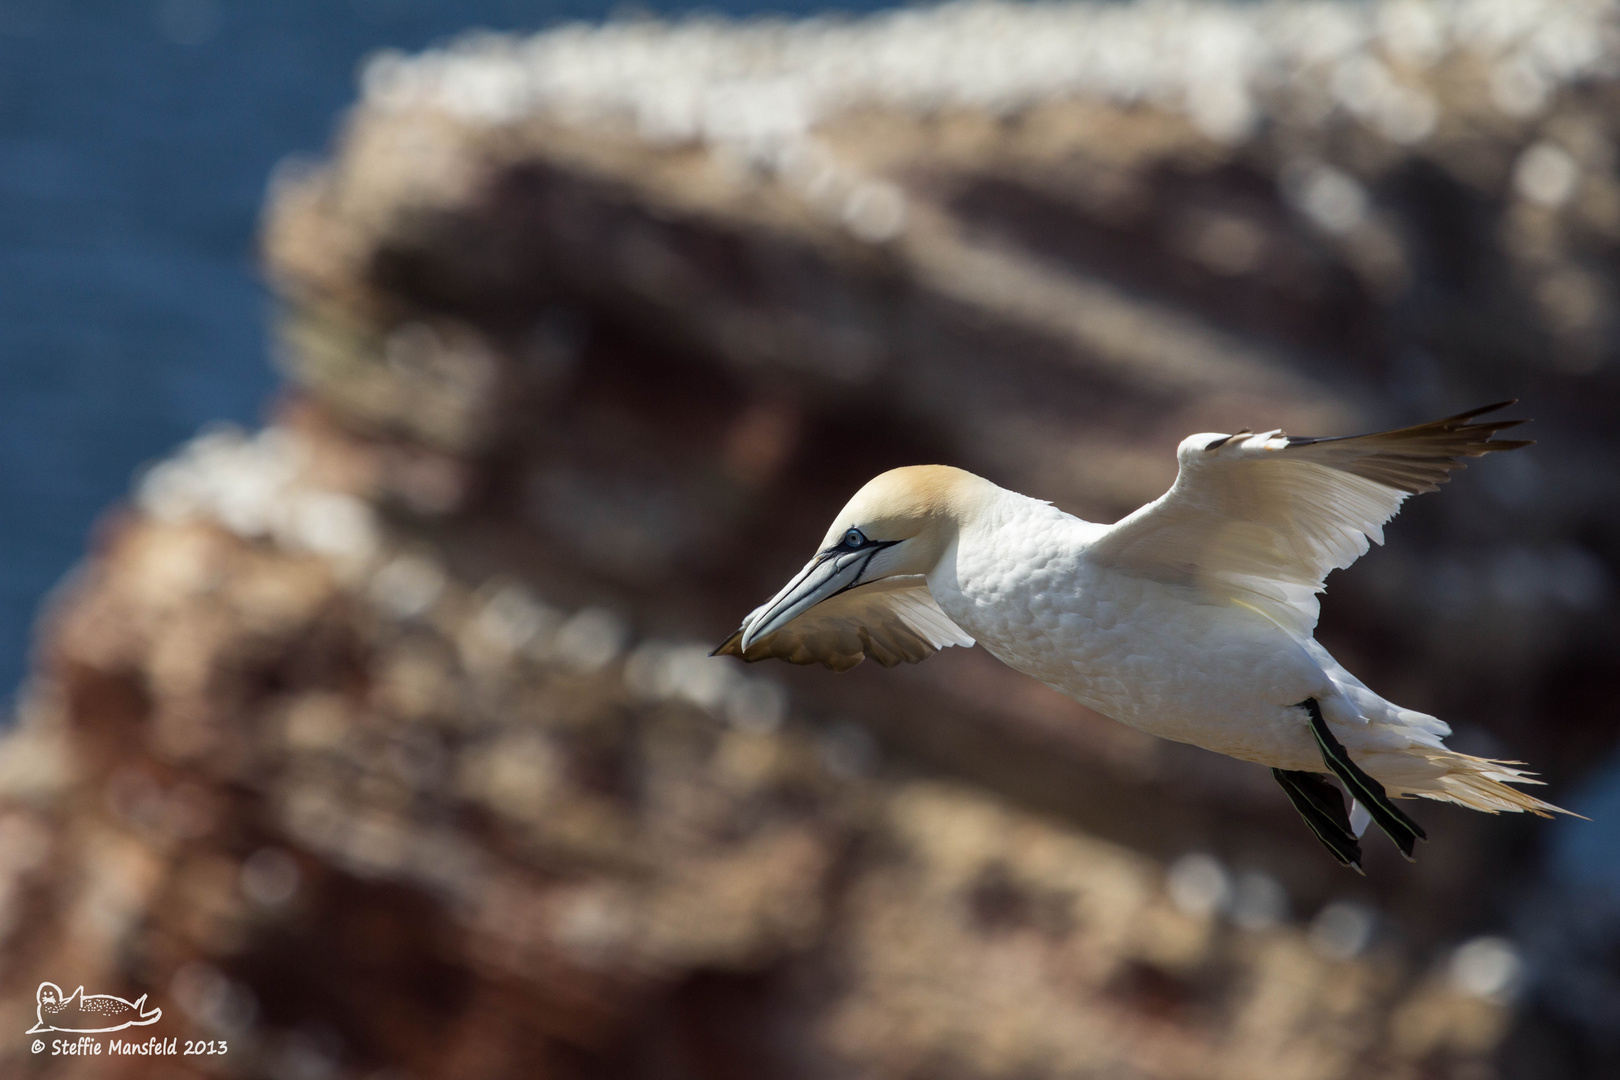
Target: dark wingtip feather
{"points": [[1420, 458], [1482, 410], [1460, 424]]}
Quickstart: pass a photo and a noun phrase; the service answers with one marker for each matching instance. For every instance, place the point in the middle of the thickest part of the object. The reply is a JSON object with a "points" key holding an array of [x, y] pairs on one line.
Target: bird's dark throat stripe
{"points": [[1363, 788]]}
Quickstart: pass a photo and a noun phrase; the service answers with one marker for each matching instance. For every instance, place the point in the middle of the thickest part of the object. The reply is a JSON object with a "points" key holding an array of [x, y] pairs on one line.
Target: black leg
{"points": [[1367, 791], [1320, 804]]}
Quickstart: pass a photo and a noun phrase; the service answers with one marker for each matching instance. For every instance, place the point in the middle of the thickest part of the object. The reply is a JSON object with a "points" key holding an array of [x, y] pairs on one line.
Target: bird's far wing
{"points": [[1263, 519], [891, 620]]}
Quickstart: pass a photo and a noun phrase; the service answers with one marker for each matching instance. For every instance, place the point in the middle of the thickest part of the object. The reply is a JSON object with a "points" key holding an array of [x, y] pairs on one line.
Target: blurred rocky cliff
{"points": [[383, 741]]}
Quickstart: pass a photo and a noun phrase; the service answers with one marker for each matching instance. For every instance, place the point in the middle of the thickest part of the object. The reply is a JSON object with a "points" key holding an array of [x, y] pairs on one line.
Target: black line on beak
{"points": [[869, 551]]}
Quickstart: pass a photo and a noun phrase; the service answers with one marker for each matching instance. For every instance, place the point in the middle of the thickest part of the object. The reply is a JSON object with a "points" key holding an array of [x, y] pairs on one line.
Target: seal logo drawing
{"points": [[82, 1012]]}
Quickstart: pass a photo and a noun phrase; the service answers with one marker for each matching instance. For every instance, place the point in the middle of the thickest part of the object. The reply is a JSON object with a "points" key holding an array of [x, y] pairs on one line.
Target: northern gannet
{"points": [[1191, 619]]}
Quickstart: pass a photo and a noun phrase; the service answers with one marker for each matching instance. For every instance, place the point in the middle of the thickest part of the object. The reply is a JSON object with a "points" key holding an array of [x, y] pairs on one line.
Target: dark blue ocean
{"points": [[135, 140]]}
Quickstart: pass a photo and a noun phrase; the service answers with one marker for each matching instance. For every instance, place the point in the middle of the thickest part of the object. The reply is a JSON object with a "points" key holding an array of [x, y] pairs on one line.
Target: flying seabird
{"points": [[1190, 619]]}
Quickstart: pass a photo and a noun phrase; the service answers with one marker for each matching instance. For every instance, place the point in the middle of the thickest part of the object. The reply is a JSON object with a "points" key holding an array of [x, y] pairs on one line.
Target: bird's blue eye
{"points": [[854, 538]]}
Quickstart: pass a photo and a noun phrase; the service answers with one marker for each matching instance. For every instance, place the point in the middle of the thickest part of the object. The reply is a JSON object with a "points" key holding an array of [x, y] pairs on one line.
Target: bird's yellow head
{"points": [[901, 522]]}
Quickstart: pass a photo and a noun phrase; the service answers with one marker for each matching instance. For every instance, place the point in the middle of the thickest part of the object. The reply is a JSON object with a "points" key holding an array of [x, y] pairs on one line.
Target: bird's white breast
{"points": [[1160, 657]]}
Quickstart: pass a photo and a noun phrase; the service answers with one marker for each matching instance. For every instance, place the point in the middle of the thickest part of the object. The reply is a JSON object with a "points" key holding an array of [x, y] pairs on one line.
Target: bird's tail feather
{"points": [[1402, 749], [1475, 782]]}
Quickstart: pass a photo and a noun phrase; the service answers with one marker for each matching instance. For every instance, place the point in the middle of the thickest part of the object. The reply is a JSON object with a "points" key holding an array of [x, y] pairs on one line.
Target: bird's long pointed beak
{"points": [[824, 576]]}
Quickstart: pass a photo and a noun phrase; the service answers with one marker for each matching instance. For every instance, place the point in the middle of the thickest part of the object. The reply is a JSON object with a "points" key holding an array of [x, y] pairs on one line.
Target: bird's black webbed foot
{"points": [[1363, 788], [1320, 804]]}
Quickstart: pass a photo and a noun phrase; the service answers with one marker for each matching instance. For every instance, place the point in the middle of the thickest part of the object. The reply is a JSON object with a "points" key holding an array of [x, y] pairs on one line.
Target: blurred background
{"points": [[401, 397]]}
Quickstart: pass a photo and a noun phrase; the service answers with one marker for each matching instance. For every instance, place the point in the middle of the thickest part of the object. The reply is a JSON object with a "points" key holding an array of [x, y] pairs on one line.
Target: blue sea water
{"points": [[135, 140]]}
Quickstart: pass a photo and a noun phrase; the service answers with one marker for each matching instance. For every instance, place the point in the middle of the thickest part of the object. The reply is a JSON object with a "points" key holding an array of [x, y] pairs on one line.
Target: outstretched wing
{"points": [[891, 620], [1263, 519]]}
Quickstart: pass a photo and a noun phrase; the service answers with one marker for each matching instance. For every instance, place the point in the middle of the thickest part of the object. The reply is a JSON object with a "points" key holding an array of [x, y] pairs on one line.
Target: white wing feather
{"points": [[891, 620], [1263, 519]]}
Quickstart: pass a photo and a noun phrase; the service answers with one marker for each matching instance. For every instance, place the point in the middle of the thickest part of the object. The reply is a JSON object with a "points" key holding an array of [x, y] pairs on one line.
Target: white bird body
{"points": [[1190, 619], [1159, 657], [1167, 659]]}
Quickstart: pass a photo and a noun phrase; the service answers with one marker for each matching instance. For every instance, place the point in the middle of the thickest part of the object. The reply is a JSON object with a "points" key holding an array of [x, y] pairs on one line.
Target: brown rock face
{"points": [[383, 741]]}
